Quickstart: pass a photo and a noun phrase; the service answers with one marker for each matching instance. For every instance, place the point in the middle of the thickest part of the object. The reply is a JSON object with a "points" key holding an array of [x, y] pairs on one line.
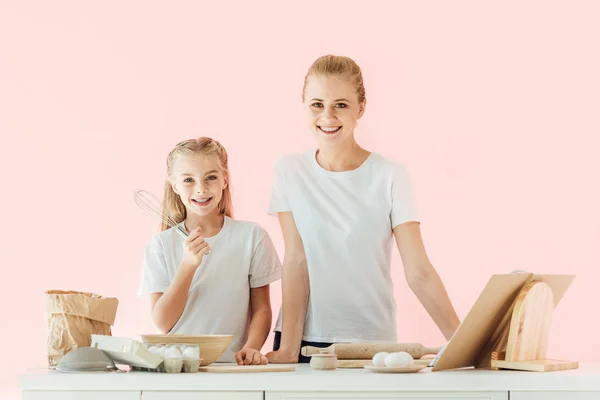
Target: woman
{"points": [[338, 208]]}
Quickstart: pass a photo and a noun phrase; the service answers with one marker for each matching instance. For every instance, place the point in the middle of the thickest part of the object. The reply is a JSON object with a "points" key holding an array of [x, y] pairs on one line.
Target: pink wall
{"points": [[494, 108]]}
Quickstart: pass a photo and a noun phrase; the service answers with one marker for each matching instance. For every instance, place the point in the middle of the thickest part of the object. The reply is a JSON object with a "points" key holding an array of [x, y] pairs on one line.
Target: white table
{"points": [[305, 383]]}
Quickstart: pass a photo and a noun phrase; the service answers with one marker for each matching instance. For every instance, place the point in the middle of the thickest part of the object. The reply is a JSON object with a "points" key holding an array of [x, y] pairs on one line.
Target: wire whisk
{"points": [[154, 206]]}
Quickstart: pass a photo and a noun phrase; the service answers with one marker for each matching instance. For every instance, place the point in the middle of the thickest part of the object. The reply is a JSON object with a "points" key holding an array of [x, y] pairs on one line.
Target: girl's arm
{"points": [[295, 291], [260, 324], [167, 307], [423, 279]]}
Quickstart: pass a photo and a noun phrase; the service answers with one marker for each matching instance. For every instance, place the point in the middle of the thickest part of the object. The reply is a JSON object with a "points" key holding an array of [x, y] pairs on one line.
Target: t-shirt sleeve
{"points": [[279, 196], [155, 278], [403, 204], [265, 266]]}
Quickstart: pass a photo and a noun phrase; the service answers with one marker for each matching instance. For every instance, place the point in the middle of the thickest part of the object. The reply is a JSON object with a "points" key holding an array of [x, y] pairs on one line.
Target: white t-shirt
{"points": [[345, 220], [242, 256]]}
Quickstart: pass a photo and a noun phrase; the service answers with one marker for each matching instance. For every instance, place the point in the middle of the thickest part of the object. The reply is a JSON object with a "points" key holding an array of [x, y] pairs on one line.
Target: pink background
{"points": [[493, 107]]}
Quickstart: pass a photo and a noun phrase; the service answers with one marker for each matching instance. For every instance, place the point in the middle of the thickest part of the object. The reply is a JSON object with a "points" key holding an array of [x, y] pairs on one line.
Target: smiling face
{"points": [[199, 181], [332, 108]]}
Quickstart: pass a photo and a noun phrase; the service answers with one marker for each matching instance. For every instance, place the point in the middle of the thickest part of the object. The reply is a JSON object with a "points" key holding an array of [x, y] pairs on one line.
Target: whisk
{"points": [[153, 205]]}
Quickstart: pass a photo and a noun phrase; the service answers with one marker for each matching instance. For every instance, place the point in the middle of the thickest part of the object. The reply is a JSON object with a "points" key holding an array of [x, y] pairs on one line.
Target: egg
{"points": [[379, 359], [153, 349], [172, 352], [399, 359], [161, 350], [191, 353]]}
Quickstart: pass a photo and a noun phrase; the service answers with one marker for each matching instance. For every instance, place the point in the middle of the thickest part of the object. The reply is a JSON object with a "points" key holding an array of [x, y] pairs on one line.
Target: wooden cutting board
{"points": [[247, 368], [468, 346], [530, 323], [361, 351], [536, 365]]}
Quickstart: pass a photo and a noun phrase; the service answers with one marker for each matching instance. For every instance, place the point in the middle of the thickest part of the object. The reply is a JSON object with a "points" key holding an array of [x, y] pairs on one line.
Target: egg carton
{"points": [[176, 360], [149, 357]]}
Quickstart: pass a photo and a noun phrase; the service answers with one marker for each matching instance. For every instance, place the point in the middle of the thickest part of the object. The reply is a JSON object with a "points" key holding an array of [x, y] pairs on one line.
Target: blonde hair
{"points": [[201, 146], [344, 67]]}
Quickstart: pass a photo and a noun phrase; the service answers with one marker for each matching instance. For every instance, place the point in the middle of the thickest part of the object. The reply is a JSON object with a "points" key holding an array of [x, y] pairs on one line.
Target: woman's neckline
{"points": [[346, 173]]}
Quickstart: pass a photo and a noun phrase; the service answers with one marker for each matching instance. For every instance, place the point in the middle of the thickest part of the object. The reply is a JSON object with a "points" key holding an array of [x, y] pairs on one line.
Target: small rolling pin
{"points": [[361, 351]]}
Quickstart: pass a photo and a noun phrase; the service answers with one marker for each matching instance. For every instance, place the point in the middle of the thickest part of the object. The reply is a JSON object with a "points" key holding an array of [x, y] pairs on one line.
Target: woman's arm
{"points": [[423, 279], [295, 291], [167, 307]]}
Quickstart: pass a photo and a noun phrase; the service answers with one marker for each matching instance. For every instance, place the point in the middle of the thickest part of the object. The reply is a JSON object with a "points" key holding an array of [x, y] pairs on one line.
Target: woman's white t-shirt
{"points": [[345, 220], [242, 256]]}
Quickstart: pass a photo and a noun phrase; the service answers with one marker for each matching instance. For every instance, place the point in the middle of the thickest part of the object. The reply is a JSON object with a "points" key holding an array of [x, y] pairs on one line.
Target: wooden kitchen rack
{"points": [[508, 327]]}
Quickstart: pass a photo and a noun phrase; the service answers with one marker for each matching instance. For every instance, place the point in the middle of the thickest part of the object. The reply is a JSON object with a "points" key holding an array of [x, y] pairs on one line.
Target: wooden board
{"points": [[466, 346], [499, 337], [396, 370], [354, 363], [530, 323], [248, 368], [536, 365]]}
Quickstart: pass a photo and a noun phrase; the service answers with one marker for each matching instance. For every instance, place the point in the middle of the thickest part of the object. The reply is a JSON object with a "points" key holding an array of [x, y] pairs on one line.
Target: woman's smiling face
{"points": [[332, 108]]}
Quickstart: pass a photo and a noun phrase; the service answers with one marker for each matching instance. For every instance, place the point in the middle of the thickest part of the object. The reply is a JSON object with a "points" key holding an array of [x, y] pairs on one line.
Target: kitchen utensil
{"points": [[248, 368], [396, 370], [86, 359], [211, 346], [532, 315], [528, 333], [477, 336], [358, 351], [324, 361], [149, 202]]}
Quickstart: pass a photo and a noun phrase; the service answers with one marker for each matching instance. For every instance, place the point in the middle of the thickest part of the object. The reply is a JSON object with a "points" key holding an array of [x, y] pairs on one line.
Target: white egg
{"points": [[172, 352], [399, 359], [191, 352], [161, 350], [379, 359], [153, 349]]}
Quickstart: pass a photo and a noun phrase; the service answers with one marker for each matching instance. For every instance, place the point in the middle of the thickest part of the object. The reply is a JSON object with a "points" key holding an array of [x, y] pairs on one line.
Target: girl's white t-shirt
{"points": [[242, 256], [345, 220]]}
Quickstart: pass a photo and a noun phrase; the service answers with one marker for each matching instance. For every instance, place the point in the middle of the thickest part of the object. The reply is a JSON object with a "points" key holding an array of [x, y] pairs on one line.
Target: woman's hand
{"points": [[282, 357]]}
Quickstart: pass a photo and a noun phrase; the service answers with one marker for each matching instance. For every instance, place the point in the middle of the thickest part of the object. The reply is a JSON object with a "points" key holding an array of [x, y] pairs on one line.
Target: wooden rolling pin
{"points": [[361, 351]]}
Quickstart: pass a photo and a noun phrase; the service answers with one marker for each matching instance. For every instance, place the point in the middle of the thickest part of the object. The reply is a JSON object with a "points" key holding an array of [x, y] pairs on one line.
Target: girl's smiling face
{"points": [[199, 181]]}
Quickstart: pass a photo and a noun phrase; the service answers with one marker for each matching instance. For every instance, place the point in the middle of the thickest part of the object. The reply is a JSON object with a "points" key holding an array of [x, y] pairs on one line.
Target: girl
{"points": [[339, 208], [224, 291]]}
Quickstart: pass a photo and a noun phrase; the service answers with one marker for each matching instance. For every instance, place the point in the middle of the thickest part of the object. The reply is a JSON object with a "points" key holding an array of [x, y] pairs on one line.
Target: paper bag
{"points": [[72, 319]]}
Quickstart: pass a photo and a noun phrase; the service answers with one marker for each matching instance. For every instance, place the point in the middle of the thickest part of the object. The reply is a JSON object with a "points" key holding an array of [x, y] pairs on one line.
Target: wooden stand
{"points": [[524, 342], [509, 326]]}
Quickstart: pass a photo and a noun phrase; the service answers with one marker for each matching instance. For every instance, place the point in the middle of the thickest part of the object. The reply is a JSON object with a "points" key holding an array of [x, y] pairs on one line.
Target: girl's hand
{"points": [[194, 249], [250, 357]]}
